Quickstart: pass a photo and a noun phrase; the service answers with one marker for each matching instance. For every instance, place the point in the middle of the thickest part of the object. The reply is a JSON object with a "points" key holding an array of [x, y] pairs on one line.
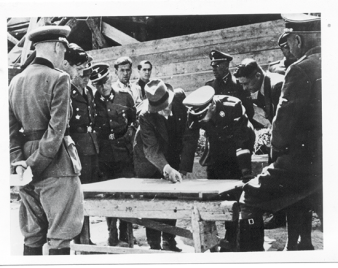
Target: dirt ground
{"points": [[274, 238]]}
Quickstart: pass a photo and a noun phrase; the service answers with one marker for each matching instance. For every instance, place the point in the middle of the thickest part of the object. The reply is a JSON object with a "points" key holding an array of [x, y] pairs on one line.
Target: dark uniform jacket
{"points": [[39, 103], [296, 135], [229, 135], [280, 66], [114, 124], [272, 87], [232, 88], [82, 121], [160, 141]]}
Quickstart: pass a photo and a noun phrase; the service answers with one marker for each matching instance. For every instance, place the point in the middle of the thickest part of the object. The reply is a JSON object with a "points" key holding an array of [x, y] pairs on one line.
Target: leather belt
{"points": [[81, 129]]}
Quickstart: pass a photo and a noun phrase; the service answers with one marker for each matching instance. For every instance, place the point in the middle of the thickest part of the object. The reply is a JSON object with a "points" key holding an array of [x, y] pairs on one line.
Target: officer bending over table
{"points": [[229, 139]]}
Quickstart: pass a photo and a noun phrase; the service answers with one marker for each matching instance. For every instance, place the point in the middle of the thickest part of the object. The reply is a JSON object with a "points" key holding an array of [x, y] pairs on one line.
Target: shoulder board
{"points": [[275, 62], [57, 69]]}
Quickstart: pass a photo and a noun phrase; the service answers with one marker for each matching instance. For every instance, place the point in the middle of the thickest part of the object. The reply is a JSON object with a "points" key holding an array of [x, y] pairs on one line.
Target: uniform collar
{"points": [[43, 61], [226, 77], [109, 97]]}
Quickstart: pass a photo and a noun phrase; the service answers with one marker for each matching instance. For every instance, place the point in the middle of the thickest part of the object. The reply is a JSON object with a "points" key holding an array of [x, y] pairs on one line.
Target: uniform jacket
{"points": [[115, 118], [280, 66], [297, 130], [82, 121], [161, 141], [232, 88], [296, 138], [39, 102], [229, 134], [272, 87]]}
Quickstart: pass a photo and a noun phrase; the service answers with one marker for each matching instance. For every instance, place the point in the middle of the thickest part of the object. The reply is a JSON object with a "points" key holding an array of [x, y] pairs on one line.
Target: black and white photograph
{"points": [[160, 132]]}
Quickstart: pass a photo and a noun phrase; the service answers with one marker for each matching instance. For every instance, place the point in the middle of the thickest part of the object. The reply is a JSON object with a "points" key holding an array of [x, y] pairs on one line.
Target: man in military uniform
{"points": [[280, 66], [123, 70], [264, 88], [161, 138], [225, 83], [296, 168], [229, 139], [39, 104], [115, 126], [82, 121]]}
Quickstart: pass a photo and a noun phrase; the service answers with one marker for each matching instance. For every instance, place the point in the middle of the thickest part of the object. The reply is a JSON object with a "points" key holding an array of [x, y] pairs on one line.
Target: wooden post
{"points": [[27, 45], [195, 224], [97, 37]]}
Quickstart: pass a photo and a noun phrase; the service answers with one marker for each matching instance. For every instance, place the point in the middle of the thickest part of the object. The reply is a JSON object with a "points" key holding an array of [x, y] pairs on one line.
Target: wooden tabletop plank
{"points": [[196, 187]]}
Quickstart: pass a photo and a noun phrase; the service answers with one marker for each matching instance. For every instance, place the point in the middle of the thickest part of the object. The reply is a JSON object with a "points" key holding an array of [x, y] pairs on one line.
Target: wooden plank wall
{"points": [[184, 62]]}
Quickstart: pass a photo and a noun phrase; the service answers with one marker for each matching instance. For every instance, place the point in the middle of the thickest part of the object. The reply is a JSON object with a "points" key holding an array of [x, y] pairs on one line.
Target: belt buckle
{"points": [[112, 136], [251, 221]]}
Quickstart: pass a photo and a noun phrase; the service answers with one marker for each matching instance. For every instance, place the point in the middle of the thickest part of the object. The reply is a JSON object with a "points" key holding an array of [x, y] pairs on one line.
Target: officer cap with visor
{"points": [[77, 56], [100, 73], [50, 33], [217, 57], [300, 23], [199, 101]]}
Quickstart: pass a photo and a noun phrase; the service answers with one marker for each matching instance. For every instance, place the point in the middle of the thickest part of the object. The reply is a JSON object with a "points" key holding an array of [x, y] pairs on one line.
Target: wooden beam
{"points": [[12, 39], [160, 227], [27, 45], [116, 35], [98, 38], [113, 250], [158, 209]]}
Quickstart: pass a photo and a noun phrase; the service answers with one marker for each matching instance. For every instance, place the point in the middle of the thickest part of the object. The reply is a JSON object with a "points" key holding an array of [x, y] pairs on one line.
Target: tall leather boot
{"points": [[32, 251], [113, 239], [305, 231], [59, 251], [230, 237], [251, 234], [84, 236], [293, 228]]}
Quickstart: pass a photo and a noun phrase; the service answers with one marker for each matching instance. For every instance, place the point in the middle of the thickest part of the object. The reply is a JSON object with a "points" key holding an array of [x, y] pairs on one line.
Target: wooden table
{"points": [[140, 200]]}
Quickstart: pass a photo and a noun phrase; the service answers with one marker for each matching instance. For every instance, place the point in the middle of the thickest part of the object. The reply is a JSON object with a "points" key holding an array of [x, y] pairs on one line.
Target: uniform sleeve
{"points": [[15, 137], [294, 97], [190, 141], [51, 141], [151, 146]]}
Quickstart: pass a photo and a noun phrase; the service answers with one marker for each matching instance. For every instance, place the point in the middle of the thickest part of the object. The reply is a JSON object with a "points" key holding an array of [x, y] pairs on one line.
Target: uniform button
{"points": [[111, 120], [77, 109], [108, 110]]}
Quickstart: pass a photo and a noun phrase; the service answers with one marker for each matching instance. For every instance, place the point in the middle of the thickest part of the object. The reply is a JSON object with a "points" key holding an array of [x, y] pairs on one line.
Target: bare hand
{"points": [[20, 167]]}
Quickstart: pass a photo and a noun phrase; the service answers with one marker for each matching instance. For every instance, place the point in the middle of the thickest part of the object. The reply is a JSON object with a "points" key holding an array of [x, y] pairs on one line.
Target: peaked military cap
{"points": [[218, 56], [199, 100], [76, 55], [100, 73], [49, 34], [299, 22]]}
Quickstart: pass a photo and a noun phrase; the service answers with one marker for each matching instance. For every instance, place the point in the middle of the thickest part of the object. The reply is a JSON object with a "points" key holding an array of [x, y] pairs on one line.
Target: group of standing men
{"points": [[112, 140]]}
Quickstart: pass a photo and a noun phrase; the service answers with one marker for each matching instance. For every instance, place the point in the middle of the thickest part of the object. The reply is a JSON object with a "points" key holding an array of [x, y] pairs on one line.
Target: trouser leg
{"points": [[166, 237], [123, 231], [112, 229], [305, 231], [153, 238], [293, 227], [32, 219], [62, 201]]}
